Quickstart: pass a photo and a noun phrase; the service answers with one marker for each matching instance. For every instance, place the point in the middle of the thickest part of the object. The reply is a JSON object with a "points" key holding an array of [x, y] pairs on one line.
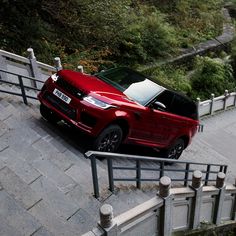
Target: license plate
{"points": [[62, 96]]}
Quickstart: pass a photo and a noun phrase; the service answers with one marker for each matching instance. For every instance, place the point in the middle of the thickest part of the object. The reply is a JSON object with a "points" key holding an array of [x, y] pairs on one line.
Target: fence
{"points": [[215, 104], [20, 82], [173, 210], [138, 169]]}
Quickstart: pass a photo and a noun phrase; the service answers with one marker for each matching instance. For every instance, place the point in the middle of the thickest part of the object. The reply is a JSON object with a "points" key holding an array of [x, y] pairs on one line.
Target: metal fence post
{"points": [[234, 206], [186, 174], [226, 94], [106, 220], [197, 199], [22, 89], [138, 174], [34, 66], [207, 174], [94, 176], [110, 175], [165, 211], [219, 198], [212, 104]]}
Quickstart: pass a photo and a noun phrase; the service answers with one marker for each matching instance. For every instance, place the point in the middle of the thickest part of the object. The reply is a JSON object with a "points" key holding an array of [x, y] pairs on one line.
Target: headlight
{"points": [[54, 77], [97, 102]]}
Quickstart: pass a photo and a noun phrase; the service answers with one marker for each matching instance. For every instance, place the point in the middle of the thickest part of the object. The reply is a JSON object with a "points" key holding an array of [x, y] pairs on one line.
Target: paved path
{"points": [[45, 181]]}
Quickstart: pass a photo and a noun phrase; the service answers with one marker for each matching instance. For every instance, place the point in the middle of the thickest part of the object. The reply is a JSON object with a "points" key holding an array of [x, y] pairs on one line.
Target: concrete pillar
{"points": [[220, 184], [197, 199], [165, 211], [58, 64], [226, 94], [35, 72], [106, 220], [3, 65], [212, 104]]}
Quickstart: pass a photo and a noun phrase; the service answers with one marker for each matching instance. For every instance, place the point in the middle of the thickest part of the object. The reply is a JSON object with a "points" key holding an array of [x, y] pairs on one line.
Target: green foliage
{"points": [[173, 77], [108, 32], [211, 76], [147, 37]]}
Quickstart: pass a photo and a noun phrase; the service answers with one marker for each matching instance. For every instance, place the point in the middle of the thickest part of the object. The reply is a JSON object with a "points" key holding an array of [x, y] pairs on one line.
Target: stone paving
{"points": [[45, 180]]}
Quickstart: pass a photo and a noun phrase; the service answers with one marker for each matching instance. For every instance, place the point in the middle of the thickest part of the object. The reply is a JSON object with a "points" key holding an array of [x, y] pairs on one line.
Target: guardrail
{"points": [[19, 82], [216, 104], [175, 210], [138, 164]]}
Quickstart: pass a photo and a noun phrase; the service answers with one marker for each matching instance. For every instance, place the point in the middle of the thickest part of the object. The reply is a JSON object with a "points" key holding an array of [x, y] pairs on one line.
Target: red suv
{"points": [[121, 105]]}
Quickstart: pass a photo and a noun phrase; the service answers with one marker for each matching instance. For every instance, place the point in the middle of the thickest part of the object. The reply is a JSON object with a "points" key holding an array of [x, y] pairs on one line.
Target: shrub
{"points": [[211, 76]]}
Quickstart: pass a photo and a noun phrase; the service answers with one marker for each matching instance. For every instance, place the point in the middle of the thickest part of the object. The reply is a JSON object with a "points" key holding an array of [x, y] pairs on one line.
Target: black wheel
{"points": [[48, 114], [175, 151], [109, 139]]}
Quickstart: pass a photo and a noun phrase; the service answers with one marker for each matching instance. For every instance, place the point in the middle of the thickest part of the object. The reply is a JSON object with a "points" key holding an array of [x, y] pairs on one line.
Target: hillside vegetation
{"points": [[107, 33]]}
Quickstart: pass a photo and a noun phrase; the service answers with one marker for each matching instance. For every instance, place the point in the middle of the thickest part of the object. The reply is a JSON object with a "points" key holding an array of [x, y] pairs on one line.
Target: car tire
{"points": [[175, 151], [109, 139], [48, 115]]}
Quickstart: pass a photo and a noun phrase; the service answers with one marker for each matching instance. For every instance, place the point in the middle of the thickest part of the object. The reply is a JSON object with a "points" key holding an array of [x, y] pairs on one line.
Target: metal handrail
{"points": [[20, 83], [138, 179]]}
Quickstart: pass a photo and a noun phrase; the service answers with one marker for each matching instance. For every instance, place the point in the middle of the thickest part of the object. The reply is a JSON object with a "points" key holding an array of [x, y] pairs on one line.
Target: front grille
{"points": [[70, 88], [60, 105]]}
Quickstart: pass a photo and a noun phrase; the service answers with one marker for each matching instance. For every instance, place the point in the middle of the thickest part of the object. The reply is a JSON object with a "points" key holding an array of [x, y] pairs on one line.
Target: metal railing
{"points": [[138, 166], [20, 84]]}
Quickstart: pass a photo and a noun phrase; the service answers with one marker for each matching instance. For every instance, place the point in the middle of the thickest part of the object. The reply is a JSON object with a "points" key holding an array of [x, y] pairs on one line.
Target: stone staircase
{"points": [[45, 180]]}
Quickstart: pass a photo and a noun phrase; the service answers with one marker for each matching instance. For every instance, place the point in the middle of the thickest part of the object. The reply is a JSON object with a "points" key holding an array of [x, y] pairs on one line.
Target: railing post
{"points": [[226, 94], [212, 104], [106, 220], [219, 198], [234, 206], [94, 176], [3, 65], [198, 106], [197, 200], [165, 212], [186, 175], [110, 175], [207, 174], [57, 62], [138, 174], [22, 89], [33, 66], [162, 166]]}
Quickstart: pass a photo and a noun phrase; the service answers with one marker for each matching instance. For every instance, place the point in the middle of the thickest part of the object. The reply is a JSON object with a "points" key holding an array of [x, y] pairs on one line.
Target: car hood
{"points": [[94, 86]]}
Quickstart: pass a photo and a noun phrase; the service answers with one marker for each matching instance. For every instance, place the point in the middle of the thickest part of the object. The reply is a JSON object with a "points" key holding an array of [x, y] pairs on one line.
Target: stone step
{"points": [[59, 203], [51, 222], [18, 189], [24, 170], [15, 216]]}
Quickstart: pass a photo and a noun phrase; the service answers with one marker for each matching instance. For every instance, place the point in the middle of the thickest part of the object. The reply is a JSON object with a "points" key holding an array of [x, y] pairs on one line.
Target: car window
{"points": [[166, 97], [184, 107]]}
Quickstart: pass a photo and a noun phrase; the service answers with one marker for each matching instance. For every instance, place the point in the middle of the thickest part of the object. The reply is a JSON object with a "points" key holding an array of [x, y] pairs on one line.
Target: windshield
{"points": [[134, 85]]}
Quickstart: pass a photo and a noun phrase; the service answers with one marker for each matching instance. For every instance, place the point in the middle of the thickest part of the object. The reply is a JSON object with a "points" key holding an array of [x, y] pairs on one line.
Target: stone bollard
{"points": [[226, 94], [106, 215], [197, 199], [220, 180], [58, 64], [197, 179], [220, 184], [106, 220], [164, 185], [165, 212]]}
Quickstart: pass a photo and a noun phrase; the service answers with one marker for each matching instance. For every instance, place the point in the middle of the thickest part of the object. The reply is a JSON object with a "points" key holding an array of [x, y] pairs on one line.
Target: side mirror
{"points": [[159, 106]]}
